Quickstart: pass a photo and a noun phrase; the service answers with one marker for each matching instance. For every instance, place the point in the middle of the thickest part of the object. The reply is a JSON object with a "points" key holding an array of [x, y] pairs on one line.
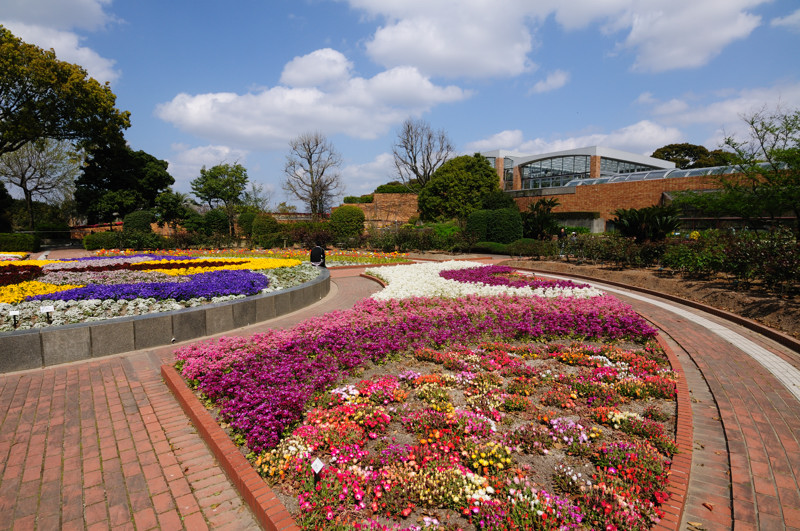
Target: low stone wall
{"points": [[42, 347]]}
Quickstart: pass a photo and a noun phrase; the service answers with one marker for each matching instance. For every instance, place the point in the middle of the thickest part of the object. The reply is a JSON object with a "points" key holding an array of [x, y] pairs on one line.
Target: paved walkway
{"points": [[102, 443]]}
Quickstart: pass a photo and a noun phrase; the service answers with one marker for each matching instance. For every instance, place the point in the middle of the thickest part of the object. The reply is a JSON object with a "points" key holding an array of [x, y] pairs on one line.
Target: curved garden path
{"points": [[103, 443]]}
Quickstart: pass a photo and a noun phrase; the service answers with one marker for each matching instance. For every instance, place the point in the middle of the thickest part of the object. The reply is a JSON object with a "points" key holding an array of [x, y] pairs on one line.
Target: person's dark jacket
{"points": [[317, 257]]}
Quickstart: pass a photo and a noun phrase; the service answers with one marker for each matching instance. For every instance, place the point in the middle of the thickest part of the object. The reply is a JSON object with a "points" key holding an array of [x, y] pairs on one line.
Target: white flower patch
{"points": [[423, 280]]}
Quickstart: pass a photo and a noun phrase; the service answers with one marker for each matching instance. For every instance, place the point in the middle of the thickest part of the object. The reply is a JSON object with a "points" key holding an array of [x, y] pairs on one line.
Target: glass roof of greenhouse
{"points": [[656, 174]]}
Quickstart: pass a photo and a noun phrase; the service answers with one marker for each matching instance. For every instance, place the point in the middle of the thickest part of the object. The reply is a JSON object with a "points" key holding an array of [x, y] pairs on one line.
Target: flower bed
{"points": [[95, 288], [423, 424], [333, 257], [458, 279]]}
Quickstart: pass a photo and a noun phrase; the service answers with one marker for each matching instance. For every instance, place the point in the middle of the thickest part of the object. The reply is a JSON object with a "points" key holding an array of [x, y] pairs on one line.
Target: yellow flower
{"points": [[230, 264], [18, 292]]}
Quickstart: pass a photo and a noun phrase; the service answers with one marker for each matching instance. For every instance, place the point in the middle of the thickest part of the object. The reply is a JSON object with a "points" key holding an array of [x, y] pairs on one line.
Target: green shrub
{"points": [[138, 221], [347, 222], [53, 230], [102, 240], [143, 240], [702, 257], [19, 242], [539, 221], [309, 233], [393, 187], [245, 222], [383, 240], [352, 199], [505, 225], [645, 224], [490, 247], [536, 249], [497, 200], [478, 225], [266, 231]]}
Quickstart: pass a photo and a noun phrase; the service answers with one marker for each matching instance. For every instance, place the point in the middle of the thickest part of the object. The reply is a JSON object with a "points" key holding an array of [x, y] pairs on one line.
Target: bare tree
{"points": [[419, 152], [44, 170], [312, 172]]}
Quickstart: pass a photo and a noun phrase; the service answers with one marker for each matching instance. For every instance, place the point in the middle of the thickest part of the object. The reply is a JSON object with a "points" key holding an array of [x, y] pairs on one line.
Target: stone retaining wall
{"points": [[42, 347]]}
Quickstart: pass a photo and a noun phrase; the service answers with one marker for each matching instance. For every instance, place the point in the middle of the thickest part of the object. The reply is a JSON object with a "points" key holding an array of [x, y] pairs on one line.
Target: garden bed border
{"points": [[42, 347]]}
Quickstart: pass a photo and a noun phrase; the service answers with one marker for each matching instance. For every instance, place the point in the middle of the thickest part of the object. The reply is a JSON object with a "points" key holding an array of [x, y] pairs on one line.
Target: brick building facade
{"points": [[596, 179]]}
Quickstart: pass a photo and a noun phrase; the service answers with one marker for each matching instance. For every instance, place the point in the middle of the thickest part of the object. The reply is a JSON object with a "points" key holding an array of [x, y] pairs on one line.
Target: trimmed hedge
{"points": [[353, 199], [19, 242], [347, 222], [102, 240], [501, 226]]}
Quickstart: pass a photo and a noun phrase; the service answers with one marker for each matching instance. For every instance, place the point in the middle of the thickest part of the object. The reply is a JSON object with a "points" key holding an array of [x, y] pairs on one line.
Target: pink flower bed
{"points": [[446, 435]]}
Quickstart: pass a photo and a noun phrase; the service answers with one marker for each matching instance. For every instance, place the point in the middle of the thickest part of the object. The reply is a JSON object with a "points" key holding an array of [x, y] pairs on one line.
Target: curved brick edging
{"points": [[43, 347], [266, 507], [681, 466]]}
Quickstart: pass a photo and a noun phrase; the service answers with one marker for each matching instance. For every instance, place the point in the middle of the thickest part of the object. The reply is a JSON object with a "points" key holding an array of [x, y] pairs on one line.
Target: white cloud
{"points": [[58, 14], [186, 161], [791, 21], [672, 106], [481, 38], [360, 179], [685, 33], [554, 80], [354, 106], [67, 47], [325, 67], [642, 137], [508, 140]]}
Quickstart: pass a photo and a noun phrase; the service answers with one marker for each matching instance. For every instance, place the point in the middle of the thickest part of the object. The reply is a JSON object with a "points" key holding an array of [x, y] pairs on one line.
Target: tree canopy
{"points": [[457, 188], [42, 97], [45, 170], [118, 179], [693, 156], [222, 185], [766, 184]]}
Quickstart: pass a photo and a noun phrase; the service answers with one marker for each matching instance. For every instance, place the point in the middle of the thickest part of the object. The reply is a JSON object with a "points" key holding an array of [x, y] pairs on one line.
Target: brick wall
{"points": [[388, 209], [605, 198]]}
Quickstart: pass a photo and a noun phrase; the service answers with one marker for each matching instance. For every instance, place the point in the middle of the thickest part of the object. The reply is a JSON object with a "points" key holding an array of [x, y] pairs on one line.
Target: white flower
{"points": [[423, 280]]}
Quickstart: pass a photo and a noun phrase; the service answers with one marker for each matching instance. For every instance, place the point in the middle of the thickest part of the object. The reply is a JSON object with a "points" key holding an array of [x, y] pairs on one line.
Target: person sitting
{"points": [[317, 257]]}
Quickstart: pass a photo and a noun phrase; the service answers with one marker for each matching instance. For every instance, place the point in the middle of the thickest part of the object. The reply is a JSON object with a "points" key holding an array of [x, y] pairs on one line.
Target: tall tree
{"points": [[172, 208], [419, 152], [457, 188], [257, 198], [222, 185], [693, 156], [6, 202], [118, 179], [311, 172], [45, 170], [42, 97], [769, 160]]}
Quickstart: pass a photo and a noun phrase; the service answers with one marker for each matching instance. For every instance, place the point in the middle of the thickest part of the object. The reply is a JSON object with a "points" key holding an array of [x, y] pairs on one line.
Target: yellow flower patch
{"points": [[18, 292], [16, 263], [231, 264]]}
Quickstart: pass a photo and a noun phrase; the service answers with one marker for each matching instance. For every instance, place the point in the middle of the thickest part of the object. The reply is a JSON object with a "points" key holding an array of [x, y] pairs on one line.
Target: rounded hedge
{"points": [[347, 222]]}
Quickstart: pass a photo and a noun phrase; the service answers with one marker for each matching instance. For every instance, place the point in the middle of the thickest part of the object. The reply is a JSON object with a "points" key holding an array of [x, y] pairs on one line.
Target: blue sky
{"points": [[209, 82]]}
